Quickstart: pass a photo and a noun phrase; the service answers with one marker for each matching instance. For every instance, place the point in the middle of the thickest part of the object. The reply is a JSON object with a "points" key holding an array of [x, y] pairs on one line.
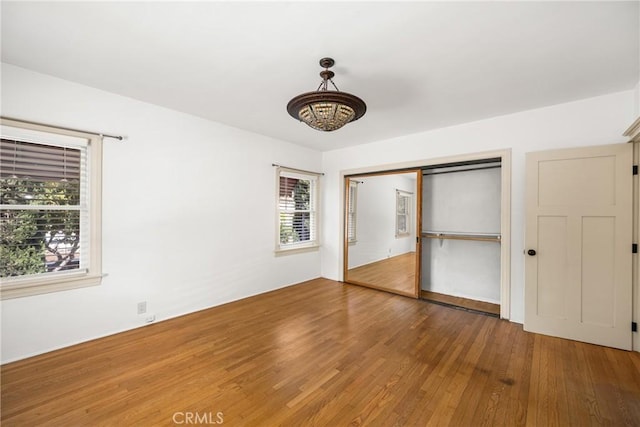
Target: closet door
{"points": [[578, 244], [382, 225]]}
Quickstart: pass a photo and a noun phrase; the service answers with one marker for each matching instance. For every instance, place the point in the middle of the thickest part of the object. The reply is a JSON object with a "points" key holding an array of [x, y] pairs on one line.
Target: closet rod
{"points": [[462, 236], [436, 172]]}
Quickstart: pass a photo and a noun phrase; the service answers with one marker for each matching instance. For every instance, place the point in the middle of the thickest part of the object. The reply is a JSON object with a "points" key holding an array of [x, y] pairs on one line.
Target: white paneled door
{"points": [[579, 244]]}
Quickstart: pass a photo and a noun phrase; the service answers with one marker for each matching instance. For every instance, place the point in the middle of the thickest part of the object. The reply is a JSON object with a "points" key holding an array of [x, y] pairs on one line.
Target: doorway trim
{"points": [[505, 209]]}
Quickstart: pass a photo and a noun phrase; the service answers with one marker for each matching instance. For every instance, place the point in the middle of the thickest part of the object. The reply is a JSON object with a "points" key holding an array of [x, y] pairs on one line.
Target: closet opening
{"points": [[437, 229], [461, 234]]}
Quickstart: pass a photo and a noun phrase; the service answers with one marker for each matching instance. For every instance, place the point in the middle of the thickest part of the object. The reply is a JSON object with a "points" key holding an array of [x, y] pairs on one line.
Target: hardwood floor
{"points": [[326, 354], [471, 304], [396, 274]]}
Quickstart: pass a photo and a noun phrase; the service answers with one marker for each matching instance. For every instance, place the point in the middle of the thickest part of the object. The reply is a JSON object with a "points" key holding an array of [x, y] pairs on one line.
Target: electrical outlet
{"points": [[142, 307]]}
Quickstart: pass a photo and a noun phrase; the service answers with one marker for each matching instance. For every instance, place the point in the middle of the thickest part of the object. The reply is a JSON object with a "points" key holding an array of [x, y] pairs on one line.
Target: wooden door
{"points": [[579, 244]]}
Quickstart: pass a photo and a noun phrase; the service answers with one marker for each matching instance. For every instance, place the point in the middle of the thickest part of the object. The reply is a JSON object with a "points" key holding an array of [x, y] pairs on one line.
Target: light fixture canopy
{"points": [[325, 109]]}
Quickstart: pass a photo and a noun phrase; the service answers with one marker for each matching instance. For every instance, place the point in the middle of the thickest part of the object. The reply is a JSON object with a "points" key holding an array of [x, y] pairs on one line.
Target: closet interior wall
{"points": [[461, 230]]}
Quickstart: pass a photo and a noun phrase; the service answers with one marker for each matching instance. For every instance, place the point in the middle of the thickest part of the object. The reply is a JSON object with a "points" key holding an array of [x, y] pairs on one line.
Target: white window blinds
{"points": [[44, 212], [403, 213], [297, 209], [351, 211]]}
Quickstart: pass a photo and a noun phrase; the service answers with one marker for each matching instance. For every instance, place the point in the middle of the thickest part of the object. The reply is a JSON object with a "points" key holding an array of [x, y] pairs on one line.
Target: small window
{"points": [[403, 213], [351, 211], [49, 209], [297, 210]]}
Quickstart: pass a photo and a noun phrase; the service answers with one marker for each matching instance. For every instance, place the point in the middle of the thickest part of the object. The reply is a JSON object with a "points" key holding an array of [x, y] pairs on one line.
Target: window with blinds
{"points": [[42, 207], [46, 215], [297, 209], [403, 213], [351, 211]]}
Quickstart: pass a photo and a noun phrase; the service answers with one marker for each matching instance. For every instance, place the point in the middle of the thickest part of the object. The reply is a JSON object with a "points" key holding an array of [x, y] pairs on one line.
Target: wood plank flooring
{"points": [[326, 354], [471, 304], [396, 274]]}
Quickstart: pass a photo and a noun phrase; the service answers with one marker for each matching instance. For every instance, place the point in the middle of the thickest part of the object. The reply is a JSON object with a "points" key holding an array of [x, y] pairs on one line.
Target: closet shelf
{"points": [[461, 236]]}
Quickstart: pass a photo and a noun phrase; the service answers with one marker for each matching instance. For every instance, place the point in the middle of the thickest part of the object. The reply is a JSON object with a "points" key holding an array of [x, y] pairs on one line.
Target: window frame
{"points": [[21, 286], [401, 194], [313, 243]]}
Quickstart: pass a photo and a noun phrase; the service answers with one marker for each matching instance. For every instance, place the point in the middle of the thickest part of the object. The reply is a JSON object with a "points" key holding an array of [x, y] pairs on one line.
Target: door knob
{"points": [[531, 252]]}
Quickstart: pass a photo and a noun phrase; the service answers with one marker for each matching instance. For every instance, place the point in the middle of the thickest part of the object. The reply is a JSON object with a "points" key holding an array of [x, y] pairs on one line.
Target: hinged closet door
{"points": [[578, 244]]}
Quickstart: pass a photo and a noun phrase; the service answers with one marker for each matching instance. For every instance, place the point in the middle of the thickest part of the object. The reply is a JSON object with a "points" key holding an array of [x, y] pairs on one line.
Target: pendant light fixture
{"points": [[325, 109]]}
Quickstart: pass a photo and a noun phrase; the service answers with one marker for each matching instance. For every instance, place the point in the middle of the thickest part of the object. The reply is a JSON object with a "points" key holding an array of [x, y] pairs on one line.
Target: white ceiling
{"points": [[417, 65]]}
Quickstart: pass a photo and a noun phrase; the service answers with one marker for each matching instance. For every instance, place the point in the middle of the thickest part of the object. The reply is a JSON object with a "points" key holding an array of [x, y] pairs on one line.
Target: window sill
{"points": [[9, 289], [296, 250]]}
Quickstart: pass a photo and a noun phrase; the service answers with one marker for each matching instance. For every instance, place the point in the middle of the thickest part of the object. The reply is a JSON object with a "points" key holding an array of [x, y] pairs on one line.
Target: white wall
{"points": [[594, 121], [462, 268], [636, 103], [637, 88], [376, 219], [188, 215], [462, 202]]}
